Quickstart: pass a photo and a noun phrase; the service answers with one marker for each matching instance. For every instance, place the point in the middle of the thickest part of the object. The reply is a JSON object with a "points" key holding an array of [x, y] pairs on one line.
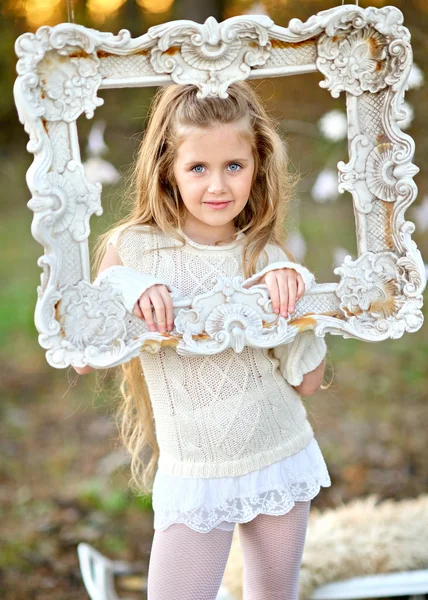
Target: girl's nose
{"points": [[217, 185]]}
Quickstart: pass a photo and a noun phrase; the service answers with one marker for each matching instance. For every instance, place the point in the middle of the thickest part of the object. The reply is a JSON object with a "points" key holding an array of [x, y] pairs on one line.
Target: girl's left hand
{"points": [[286, 287]]}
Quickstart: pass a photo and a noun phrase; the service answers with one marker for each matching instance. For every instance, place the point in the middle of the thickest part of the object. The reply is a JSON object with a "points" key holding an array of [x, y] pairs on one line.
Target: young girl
{"points": [[229, 432]]}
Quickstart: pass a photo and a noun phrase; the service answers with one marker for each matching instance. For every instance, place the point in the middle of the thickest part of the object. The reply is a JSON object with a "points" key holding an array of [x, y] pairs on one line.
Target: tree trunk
{"points": [[198, 11]]}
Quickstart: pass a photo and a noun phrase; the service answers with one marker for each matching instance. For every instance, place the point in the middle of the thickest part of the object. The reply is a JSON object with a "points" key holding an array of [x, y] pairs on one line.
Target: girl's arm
{"points": [[111, 258], [131, 284], [302, 362], [278, 259], [307, 276], [311, 381]]}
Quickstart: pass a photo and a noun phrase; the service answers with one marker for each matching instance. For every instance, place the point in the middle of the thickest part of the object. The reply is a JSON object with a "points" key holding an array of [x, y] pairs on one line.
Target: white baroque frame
{"points": [[365, 53]]}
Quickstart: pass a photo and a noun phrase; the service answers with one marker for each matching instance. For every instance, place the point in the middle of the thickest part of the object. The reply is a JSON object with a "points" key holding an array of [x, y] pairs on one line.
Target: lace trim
{"points": [[203, 504], [241, 510]]}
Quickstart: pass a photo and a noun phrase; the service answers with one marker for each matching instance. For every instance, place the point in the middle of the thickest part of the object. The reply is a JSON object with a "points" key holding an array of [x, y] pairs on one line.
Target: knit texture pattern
{"points": [[222, 415]]}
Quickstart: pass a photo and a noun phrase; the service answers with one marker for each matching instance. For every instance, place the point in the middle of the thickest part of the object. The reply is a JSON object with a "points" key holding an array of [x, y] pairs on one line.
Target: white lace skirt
{"points": [[205, 503]]}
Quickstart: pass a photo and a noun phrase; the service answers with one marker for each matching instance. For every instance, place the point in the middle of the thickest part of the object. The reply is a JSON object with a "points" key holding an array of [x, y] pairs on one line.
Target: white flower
{"points": [[416, 77], [334, 125], [407, 121], [297, 246], [325, 186], [96, 144], [339, 255], [98, 170], [420, 214], [256, 9]]}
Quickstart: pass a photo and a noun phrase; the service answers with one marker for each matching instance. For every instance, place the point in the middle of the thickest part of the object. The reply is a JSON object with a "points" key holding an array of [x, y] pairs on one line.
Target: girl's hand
{"points": [[158, 298], [285, 286]]}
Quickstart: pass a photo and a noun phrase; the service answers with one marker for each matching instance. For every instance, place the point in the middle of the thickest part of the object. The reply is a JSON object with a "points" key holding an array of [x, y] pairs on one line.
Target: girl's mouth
{"points": [[217, 205]]}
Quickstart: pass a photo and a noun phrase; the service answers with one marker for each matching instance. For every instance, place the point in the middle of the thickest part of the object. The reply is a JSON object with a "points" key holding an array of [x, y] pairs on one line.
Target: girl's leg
{"points": [[272, 548], [187, 565]]}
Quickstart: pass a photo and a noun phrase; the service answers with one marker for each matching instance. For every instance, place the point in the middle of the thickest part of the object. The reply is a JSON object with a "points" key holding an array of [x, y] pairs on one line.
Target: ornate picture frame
{"points": [[364, 53]]}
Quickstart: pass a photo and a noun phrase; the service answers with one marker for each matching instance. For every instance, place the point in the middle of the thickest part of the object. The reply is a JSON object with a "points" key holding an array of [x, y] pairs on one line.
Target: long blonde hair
{"points": [[156, 201]]}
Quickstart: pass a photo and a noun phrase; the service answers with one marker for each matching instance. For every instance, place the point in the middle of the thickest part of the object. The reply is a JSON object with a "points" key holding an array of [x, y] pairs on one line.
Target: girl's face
{"points": [[213, 165]]}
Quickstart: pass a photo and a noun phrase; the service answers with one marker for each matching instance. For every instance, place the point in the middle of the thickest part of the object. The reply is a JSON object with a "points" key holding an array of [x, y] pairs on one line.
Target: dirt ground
{"points": [[64, 478]]}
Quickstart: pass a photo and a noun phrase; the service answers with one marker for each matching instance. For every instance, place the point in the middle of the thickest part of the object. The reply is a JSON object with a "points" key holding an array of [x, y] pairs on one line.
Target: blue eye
{"points": [[234, 170]]}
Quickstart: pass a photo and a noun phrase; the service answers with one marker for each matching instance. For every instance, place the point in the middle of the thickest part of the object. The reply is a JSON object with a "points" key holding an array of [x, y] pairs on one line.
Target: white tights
{"points": [[188, 565]]}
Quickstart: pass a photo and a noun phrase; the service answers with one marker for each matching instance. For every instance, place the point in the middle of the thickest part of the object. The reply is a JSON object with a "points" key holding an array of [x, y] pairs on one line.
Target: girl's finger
{"points": [[146, 309], [137, 310], [273, 289], [278, 278], [169, 308], [159, 307], [300, 286], [283, 290], [292, 291]]}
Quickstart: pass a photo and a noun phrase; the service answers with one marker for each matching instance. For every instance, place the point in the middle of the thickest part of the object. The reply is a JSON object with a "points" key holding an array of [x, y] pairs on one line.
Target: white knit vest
{"points": [[222, 415]]}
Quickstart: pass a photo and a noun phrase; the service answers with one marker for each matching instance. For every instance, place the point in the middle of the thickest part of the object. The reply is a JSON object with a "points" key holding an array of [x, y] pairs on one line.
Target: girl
{"points": [[229, 432]]}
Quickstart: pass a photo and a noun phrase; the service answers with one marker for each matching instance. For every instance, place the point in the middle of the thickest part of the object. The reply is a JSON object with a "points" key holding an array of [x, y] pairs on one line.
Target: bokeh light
{"points": [[36, 12], [99, 10], [155, 6]]}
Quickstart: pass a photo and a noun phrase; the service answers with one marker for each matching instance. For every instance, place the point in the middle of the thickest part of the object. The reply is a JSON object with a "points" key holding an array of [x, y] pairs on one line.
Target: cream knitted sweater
{"points": [[227, 414]]}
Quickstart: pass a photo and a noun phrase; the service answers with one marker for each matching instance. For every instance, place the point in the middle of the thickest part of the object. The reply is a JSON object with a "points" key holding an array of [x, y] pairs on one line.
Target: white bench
{"points": [[413, 584], [99, 572]]}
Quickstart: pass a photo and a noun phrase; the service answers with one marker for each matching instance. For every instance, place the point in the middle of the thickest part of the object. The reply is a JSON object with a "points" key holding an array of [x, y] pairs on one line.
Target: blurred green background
{"points": [[63, 475]]}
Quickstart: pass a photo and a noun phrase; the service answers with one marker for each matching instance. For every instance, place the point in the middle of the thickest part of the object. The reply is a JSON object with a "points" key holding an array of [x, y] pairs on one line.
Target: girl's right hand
{"points": [[157, 298]]}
